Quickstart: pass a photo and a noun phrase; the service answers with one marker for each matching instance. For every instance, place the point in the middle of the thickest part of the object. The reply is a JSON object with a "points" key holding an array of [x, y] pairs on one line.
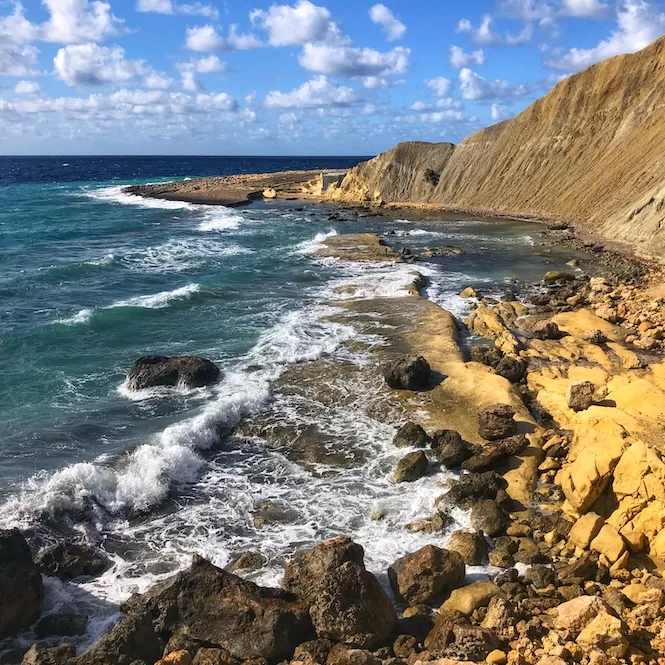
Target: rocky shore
{"points": [[553, 421]]}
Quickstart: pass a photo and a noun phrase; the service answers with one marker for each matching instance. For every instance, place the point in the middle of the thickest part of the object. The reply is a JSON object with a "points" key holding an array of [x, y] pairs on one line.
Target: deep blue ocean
{"points": [[91, 278]]}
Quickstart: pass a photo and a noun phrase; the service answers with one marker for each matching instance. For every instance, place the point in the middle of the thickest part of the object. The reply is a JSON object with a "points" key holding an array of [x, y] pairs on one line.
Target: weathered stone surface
{"points": [[585, 530], [351, 607], [470, 487], [472, 643], [580, 395], [496, 422], [540, 577], [558, 276], [605, 633], [341, 654], [472, 546], [248, 561], [411, 435], [21, 589], [609, 543], [487, 355], [425, 575], [68, 560], [468, 598], [39, 654], [546, 330], [171, 371], [305, 572], [314, 651], [408, 373], [176, 658], [488, 456], [411, 467], [575, 614], [61, 625], [449, 448], [433, 524], [487, 517], [511, 368]]}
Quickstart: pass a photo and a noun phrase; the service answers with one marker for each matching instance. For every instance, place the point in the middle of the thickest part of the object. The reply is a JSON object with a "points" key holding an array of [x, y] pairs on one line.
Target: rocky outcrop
{"points": [[68, 560], [580, 153], [172, 371], [411, 435], [22, 591], [408, 373], [411, 467]]}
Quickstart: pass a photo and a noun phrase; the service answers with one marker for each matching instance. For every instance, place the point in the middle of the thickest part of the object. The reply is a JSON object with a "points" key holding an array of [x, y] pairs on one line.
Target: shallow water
{"points": [[91, 278]]}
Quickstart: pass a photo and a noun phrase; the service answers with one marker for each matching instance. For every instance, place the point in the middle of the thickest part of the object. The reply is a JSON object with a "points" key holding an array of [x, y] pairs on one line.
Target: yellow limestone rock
{"points": [[585, 530], [605, 633], [176, 658], [468, 598], [576, 323], [609, 542], [633, 591]]}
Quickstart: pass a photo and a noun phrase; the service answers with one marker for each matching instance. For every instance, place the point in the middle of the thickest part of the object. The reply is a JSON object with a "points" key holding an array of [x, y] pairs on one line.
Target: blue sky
{"points": [[255, 78]]}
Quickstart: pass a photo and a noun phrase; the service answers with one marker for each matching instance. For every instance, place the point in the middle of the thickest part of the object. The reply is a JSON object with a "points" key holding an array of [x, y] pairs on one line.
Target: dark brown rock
{"points": [[469, 487], [488, 456], [171, 371], [411, 435], [39, 654], [449, 448], [408, 373], [487, 355], [214, 656], [61, 625], [511, 369], [21, 588], [580, 395], [487, 517], [546, 330], [340, 654], [471, 643], [496, 422], [248, 561], [540, 576], [68, 560], [442, 634], [472, 547], [315, 650], [411, 467], [351, 607], [424, 576]]}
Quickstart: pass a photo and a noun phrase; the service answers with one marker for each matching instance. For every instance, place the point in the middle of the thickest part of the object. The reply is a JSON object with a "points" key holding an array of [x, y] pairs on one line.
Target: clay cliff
{"points": [[592, 151]]}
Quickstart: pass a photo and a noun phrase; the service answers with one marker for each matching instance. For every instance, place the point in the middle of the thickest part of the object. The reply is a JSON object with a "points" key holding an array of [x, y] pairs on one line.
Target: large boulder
{"points": [[580, 395], [546, 330], [351, 607], [574, 615], [449, 448], [487, 517], [172, 371], [424, 576], [22, 591], [472, 546], [497, 422], [470, 487], [411, 435], [411, 467], [511, 368], [468, 598], [39, 654], [408, 373], [305, 572], [487, 355], [605, 633], [68, 560], [488, 456]]}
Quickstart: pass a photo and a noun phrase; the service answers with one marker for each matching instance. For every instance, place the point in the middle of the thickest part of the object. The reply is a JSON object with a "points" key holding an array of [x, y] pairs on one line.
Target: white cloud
{"points": [[439, 87], [375, 82], [500, 112], [445, 103], [78, 21], [157, 81], [587, 8], [352, 61], [209, 64], [90, 64], [475, 87], [169, 7], [26, 88], [243, 41], [458, 58], [319, 92], [521, 38], [17, 59], [393, 27], [527, 10], [295, 25], [205, 38], [638, 24], [483, 34]]}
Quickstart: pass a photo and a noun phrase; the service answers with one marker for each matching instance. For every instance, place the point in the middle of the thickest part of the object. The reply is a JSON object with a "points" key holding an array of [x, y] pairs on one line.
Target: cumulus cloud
{"points": [[169, 7], [78, 21], [439, 87], [392, 26], [483, 34], [500, 112], [352, 61], [587, 8], [319, 92], [27, 88], [445, 103], [209, 64], [475, 87], [303, 22], [206, 38], [638, 24], [91, 65], [458, 58]]}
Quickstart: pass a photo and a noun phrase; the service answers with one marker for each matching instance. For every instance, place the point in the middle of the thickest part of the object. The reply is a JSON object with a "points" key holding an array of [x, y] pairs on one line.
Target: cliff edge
{"points": [[592, 151]]}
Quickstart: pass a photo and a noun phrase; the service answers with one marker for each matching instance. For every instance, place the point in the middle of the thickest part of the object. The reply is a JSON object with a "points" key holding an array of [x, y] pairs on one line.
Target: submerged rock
{"points": [[62, 625], [408, 373], [67, 560], [172, 371], [497, 422], [21, 588], [411, 435], [411, 467]]}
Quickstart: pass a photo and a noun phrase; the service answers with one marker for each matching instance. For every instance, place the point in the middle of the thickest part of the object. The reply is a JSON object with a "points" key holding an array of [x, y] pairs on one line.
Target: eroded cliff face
{"points": [[591, 151]]}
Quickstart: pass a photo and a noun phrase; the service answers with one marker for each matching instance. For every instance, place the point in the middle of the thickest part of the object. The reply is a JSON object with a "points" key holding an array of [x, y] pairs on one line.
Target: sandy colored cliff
{"points": [[591, 151]]}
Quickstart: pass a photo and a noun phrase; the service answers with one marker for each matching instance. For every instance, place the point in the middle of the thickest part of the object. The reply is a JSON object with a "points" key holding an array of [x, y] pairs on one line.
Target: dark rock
{"points": [[39, 654], [248, 561], [351, 607], [529, 553], [510, 575], [408, 373], [314, 651], [496, 422], [472, 547], [487, 355], [469, 487], [411, 467], [501, 559], [304, 573], [67, 560], [341, 654], [487, 517], [442, 634], [432, 177], [433, 524], [425, 575], [270, 512], [406, 645], [578, 571], [449, 448], [491, 454], [62, 625], [546, 330], [540, 576], [215, 656], [580, 395], [21, 588], [172, 371], [411, 435], [512, 369], [192, 646], [471, 643], [417, 625]]}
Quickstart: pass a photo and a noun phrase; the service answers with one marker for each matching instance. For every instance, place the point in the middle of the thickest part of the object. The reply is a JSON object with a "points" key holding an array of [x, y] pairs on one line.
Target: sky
{"points": [[324, 77]]}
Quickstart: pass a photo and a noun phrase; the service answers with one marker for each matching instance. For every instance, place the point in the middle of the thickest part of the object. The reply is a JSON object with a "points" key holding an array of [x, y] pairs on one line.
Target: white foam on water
{"points": [[106, 260], [317, 242], [81, 317], [118, 195], [219, 218]]}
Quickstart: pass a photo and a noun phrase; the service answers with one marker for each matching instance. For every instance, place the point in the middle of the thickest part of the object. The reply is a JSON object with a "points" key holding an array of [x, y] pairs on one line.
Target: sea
{"points": [[92, 278]]}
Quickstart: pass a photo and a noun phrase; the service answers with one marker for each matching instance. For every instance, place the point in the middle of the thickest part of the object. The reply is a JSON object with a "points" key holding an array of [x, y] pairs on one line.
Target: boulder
{"points": [[487, 355], [511, 368], [558, 276], [609, 542], [497, 422], [425, 575], [213, 656], [411, 467], [411, 435], [585, 530], [314, 651], [574, 615], [468, 598], [172, 371], [61, 625], [472, 547], [408, 373], [580, 395], [489, 455], [546, 330], [441, 634], [176, 658], [540, 577], [248, 561], [68, 560], [22, 596], [470, 487], [487, 517], [351, 607], [605, 633], [432, 524], [340, 654], [469, 292], [471, 643], [40, 654], [305, 572], [594, 336], [449, 448]]}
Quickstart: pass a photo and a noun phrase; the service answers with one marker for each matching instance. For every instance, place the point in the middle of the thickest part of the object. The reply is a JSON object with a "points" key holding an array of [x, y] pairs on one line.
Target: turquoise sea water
{"points": [[91, 278]]}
